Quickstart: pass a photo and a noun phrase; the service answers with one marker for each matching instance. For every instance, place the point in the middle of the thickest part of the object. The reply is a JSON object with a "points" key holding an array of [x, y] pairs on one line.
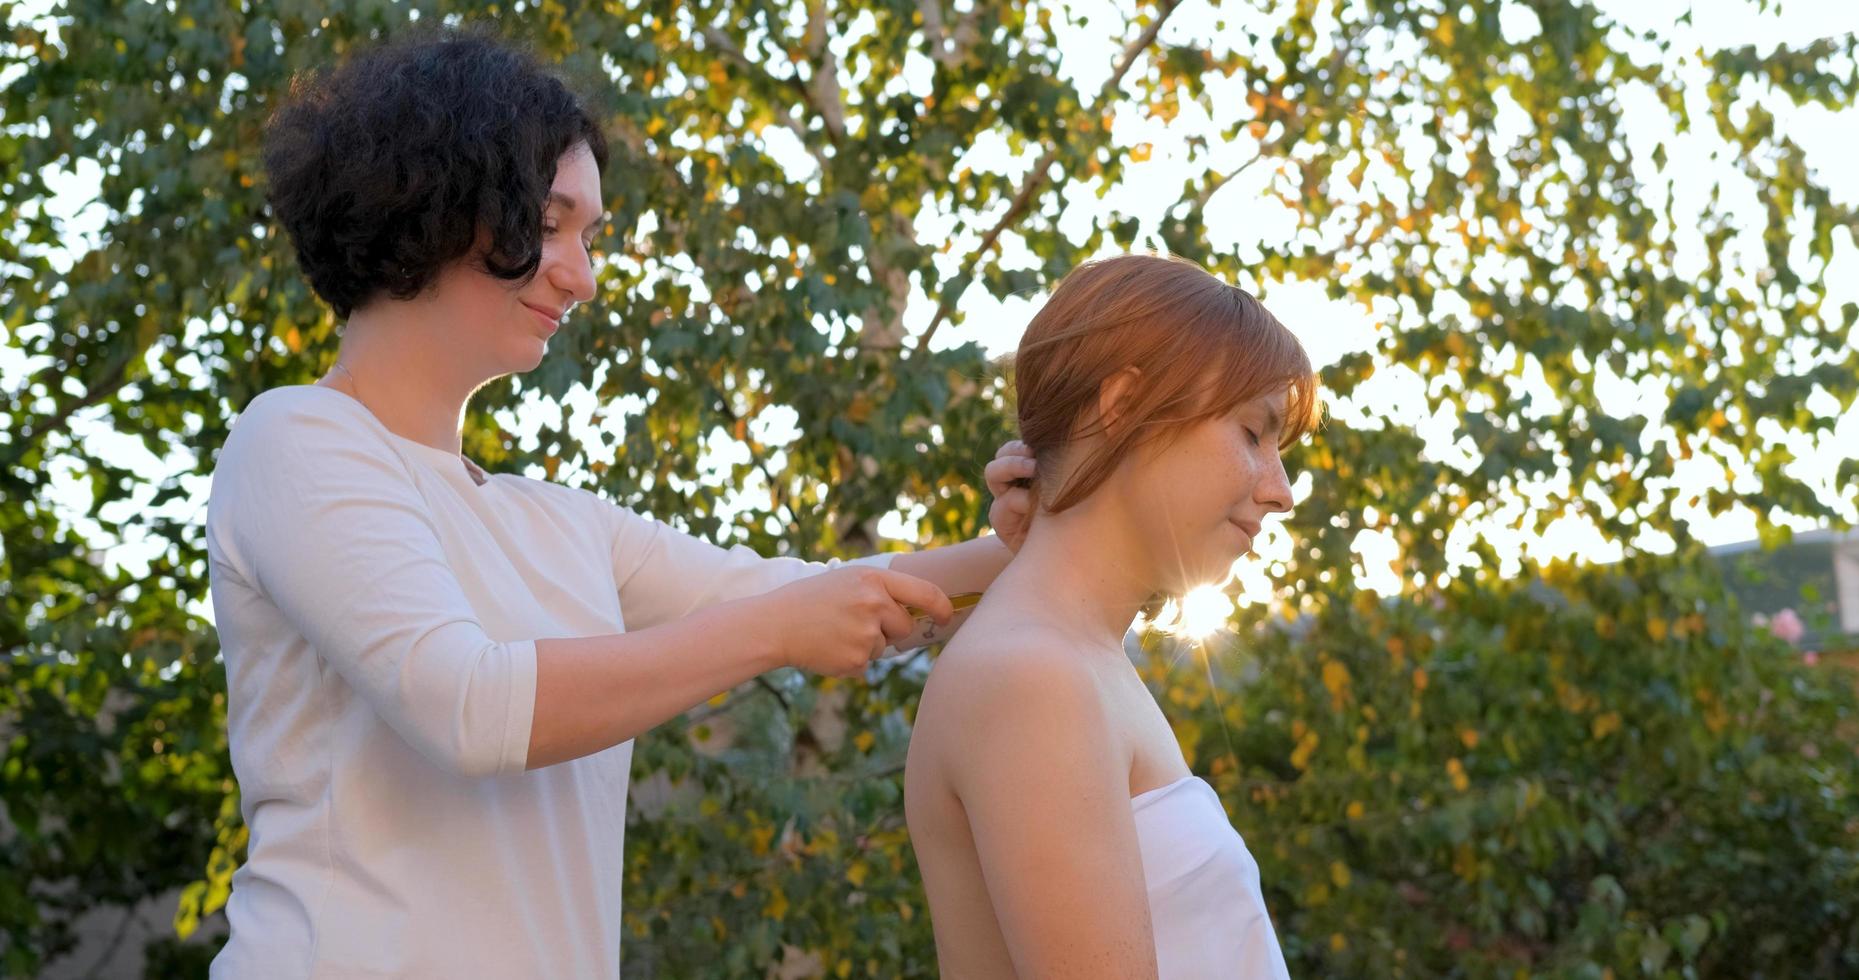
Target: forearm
{"points": [[970, 566], [596, 692]]}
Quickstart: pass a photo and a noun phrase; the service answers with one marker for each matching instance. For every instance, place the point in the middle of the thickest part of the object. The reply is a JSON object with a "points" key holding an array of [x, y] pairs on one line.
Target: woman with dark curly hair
{"points": [[435, 673]]}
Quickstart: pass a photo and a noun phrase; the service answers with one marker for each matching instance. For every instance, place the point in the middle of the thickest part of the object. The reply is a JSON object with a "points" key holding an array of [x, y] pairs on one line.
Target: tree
{"points": [[800, 217]]}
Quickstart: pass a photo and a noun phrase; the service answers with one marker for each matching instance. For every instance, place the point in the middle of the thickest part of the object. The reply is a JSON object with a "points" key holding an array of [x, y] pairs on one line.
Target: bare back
{"points": [[1025, 753]]}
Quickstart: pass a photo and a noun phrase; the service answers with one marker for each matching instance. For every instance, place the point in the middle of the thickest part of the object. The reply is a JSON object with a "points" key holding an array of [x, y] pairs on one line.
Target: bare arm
{"points": [[1046, 790], [970, 566], [597, 692]]}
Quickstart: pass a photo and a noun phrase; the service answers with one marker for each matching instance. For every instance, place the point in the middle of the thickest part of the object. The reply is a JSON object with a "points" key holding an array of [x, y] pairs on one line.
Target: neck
{"points": [[391, 362], [1088, 570]]}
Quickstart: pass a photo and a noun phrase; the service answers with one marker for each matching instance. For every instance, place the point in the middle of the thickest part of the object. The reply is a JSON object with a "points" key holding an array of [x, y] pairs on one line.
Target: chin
{"points": [[1218, 569], [526, 357]]}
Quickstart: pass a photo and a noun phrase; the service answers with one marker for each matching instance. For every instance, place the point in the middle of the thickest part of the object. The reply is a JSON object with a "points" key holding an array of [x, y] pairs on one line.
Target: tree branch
{"points": [[116, 942], [1038, 175], [945, 53], [822, 88], [106, 386], [729, 50]]}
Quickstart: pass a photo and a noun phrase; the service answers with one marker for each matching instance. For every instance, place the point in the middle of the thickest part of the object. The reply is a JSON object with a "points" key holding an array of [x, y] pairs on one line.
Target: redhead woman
{"points": [[1059, 831], [436, 673]]}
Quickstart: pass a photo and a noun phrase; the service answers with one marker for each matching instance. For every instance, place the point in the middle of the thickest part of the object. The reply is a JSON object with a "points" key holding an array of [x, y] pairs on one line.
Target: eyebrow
{"points": [[1272, 422], [568, 204]]}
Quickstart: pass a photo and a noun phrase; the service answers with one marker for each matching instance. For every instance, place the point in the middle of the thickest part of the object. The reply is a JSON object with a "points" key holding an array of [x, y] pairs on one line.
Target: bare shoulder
{"points": [[1021, 686], [1009, 665]]}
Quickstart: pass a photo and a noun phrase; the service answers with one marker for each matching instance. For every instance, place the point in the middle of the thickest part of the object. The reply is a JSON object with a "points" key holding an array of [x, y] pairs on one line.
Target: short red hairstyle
{"points": [[1203, 347]]}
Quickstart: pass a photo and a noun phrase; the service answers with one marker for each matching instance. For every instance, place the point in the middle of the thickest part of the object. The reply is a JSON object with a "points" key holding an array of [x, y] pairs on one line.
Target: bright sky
{"points": [[1251, 223]]}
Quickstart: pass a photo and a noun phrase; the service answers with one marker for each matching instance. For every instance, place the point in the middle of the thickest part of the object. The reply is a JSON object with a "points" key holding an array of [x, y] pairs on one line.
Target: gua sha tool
{"points": [[927, 632]]}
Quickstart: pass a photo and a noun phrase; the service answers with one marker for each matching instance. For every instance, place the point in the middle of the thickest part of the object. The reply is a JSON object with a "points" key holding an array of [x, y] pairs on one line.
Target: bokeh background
{"points": [[1547, 675]]}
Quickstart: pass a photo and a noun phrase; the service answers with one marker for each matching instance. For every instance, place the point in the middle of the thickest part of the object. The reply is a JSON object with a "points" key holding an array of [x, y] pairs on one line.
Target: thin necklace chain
{"points": [[477, 473]]}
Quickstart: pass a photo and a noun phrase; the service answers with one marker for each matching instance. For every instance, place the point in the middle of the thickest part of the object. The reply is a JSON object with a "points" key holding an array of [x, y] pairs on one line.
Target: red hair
{"points": [[1203, 347]]}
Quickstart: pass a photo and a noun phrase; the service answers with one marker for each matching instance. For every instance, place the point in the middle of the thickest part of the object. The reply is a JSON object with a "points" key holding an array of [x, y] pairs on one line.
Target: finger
{"points": [[1013, 448], [917, 592], [997, 478], [1002, 472], [1013, 463], [897, 624], [1017, 500]]}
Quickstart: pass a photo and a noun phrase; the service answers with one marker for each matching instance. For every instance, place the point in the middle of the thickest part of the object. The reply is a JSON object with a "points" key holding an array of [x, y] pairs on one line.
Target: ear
{"points": [[1115, 395]]}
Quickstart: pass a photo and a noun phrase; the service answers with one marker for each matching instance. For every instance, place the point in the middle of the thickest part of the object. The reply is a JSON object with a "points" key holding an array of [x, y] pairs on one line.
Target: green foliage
{"points": [[1606, 771], [1617, 823]]}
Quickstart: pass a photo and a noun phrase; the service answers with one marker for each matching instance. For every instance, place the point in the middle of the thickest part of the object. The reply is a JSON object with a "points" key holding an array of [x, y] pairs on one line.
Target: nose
{"points": [[570, 270], [1274, 490]]}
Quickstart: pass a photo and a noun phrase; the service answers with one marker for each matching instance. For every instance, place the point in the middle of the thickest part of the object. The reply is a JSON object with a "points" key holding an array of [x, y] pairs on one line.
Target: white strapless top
{"points": [[1204, 899]]}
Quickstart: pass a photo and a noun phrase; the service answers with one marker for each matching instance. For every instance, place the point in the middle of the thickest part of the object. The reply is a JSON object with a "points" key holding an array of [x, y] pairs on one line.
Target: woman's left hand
{"points": [[1012, 511]]}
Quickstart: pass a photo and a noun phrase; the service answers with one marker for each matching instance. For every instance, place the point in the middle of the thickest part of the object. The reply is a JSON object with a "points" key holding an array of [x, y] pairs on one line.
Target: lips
{"points": [[1250, 527], [550, 320]]}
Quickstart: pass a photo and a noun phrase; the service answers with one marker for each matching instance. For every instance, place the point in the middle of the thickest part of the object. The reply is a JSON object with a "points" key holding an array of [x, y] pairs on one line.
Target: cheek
{"points": [[1202, 479]]}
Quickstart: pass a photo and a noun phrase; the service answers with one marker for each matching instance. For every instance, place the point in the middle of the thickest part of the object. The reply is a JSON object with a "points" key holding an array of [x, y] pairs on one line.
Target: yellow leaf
{"points": [[1468, 737], [1420, 679], [1339, 874], [1336, 681], [1306, 746], [777, 906], [1456, 771], [1605, 725], [864, 741], [1140, 152], [1354, 812], [187, 913], [857, 872], [1337, 942]]}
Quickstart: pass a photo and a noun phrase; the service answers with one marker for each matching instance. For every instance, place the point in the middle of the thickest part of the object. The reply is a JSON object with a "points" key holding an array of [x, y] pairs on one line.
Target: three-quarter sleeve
{"points": [[664, 574], [320, 517]]}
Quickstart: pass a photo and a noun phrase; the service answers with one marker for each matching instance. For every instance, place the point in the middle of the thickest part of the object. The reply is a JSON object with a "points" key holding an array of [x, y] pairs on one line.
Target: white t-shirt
{"points": [[378, 611]]}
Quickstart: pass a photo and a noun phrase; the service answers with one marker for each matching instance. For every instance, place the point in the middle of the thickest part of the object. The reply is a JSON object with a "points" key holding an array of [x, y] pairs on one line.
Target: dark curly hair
{"points": [[388, 168]]}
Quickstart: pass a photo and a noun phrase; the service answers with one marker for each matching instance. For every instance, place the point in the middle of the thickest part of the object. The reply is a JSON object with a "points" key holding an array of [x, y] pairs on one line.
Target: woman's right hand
{"points": [[836, 622]]}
